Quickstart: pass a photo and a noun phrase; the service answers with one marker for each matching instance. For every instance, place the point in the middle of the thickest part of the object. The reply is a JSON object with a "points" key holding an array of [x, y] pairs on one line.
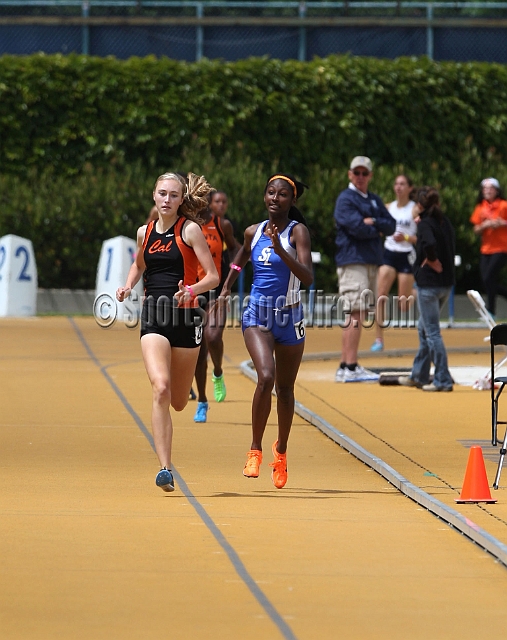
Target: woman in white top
{"points": [[398, 257]]}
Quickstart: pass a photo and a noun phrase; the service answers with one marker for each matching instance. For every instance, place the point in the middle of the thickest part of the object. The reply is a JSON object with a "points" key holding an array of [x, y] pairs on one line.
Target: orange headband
{"points": [[286, 180]]}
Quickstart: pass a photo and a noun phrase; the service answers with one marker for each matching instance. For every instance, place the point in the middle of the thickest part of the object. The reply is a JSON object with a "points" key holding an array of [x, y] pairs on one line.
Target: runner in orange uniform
{"points": [[217, 232]]}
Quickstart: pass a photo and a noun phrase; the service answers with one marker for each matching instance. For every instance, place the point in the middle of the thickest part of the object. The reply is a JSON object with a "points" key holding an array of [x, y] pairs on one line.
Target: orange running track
{"points": [[92, 549]]}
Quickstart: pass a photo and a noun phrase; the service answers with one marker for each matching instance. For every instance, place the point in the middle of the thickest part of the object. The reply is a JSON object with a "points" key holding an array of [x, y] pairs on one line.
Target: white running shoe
{"points": [[360, 374], [340, 375]]}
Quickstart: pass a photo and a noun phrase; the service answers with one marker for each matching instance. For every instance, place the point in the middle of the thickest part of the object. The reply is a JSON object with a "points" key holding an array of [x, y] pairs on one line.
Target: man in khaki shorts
{"points": [[362, 221]]}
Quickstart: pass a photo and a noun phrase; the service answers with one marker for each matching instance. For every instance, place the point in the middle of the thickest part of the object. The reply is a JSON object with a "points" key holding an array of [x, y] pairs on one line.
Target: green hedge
{"points": [[82, 140], [64, 111]]}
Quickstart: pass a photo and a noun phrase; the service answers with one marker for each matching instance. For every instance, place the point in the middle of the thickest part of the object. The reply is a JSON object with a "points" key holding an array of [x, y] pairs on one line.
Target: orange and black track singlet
{"points": [[168, 259], [214, 236]]}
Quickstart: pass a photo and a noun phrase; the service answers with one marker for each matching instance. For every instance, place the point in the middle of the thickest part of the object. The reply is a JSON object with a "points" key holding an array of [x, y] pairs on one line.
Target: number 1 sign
{"points": [[116, 258], [18, 277]]}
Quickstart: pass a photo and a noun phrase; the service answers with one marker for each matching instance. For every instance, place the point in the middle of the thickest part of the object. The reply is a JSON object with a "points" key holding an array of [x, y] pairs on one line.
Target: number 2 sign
{"points": [[18, 277]]}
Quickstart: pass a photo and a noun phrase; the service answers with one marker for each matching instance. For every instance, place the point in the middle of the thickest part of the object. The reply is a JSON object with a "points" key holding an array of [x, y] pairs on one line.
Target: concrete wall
{"points": [[65, 301]]}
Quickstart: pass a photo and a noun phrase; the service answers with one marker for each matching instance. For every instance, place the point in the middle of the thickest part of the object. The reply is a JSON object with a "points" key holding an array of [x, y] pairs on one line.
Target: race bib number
{"points": [[299, 328], [198, 334]]}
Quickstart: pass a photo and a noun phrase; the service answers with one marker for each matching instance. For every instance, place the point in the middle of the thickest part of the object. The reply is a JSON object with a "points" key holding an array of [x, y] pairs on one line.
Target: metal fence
{"points": [[460, 31]]}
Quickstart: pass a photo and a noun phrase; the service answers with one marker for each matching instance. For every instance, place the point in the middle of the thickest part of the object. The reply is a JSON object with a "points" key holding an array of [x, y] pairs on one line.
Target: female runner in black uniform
{"points": [[171, 332]]}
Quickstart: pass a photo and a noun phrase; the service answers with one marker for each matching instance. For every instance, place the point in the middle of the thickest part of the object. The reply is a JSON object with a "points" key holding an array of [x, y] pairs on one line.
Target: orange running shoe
{"points": [[253, 462], [279, 473]]}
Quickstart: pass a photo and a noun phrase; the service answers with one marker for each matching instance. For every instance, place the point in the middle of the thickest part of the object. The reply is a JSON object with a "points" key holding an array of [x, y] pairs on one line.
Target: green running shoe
{"points": [[219, 387]]}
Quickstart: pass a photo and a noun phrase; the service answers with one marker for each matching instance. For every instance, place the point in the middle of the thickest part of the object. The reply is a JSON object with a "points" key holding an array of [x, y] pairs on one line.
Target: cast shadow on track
{"points": [[316, 494], [234, 423]]}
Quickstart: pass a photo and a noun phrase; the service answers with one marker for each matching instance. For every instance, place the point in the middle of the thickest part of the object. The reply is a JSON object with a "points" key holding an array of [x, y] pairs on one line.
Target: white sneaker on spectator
{"points": [[360, 374], [340, 375]]}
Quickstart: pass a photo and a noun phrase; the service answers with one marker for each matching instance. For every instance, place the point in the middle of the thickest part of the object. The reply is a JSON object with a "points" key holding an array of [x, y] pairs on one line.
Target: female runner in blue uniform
{"points": [[169, 250], [273, 323]]}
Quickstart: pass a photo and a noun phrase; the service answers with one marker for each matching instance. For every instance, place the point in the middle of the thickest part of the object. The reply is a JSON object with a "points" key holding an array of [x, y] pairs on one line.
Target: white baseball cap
{"points": [[361, 161], [492, 182]]}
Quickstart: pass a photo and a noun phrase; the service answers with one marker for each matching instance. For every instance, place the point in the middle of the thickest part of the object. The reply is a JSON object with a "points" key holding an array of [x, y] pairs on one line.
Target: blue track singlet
{"points": [[274, 284], [274, 303]]}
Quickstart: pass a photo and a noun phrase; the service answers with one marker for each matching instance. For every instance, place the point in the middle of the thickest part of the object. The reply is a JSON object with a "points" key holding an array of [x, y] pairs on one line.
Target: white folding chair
{"points": [[498, 336], [484, 382]]}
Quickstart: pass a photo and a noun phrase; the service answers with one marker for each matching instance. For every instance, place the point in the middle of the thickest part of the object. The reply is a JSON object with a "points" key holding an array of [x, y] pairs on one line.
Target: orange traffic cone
{"points": [[475, 485]]}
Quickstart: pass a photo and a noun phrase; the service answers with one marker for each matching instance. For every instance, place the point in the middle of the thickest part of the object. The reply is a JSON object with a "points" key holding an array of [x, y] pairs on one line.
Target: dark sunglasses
{"points": [[365, 174]]}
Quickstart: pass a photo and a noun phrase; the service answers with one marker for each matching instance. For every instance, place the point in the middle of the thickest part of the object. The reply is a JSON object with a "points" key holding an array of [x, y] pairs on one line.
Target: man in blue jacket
{"points": [[362, 221]]}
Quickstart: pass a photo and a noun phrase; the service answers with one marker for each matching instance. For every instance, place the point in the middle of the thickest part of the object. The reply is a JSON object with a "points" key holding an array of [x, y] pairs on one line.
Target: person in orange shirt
{"points": [[490, 222]]}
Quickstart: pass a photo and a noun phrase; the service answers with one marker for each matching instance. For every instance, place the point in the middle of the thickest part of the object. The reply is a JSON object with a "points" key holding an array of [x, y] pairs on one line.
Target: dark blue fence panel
{"points": [[463, 45], [381, 42], [191, 29], [234, 43], [27, 39], [123, 42]]}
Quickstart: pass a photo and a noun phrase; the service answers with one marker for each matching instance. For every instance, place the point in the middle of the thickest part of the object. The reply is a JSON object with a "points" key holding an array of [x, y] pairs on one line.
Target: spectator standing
{"points": [[434, 276], [361, 221], [490, 222], [399, 256]]}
